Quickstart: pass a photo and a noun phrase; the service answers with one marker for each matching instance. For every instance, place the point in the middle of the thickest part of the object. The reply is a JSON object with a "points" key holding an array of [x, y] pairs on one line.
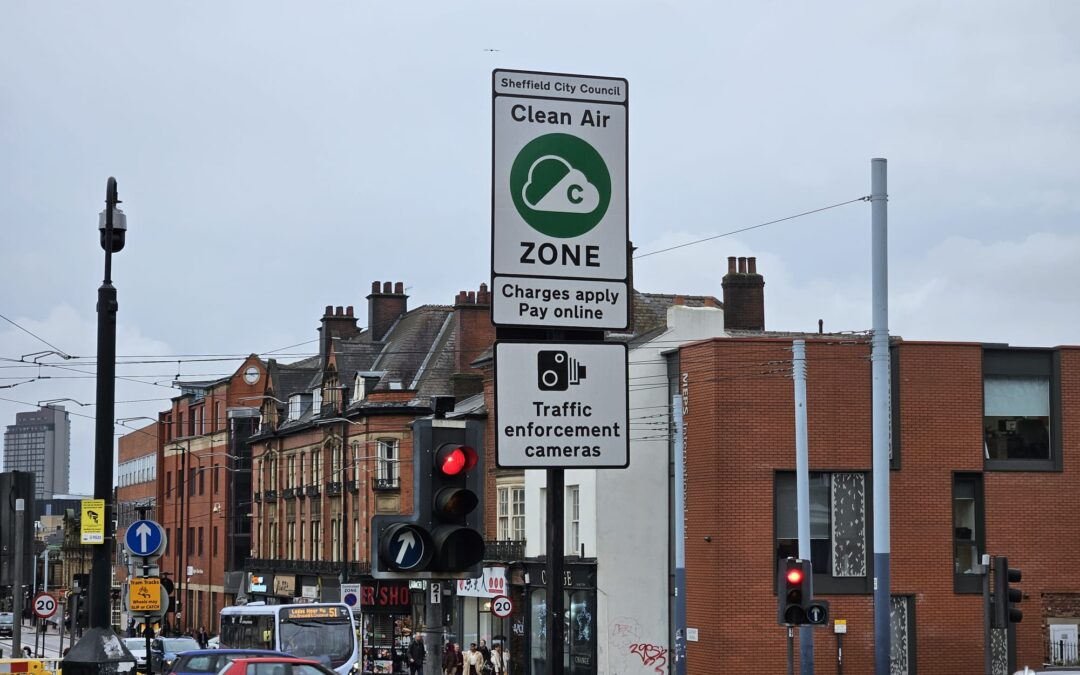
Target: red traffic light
{"points": [[795, 575], [454, 459]]}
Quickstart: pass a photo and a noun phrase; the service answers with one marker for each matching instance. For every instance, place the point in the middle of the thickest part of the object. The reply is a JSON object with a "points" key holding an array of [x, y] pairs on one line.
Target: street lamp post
{"points": [[100, 651]]}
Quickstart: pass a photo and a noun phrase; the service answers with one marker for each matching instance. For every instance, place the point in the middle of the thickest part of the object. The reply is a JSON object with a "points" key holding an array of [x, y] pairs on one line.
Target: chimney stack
{"points": [[337, 322], [387, 302], [475, 333], [744, 295]]}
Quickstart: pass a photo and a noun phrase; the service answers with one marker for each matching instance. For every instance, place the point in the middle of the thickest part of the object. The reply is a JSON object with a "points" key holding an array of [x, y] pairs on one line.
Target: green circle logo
{"points": [[560, 185]]}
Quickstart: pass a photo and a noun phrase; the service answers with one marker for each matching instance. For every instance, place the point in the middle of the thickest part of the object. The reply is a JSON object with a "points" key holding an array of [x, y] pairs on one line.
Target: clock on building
{"points": [[251, 375]]}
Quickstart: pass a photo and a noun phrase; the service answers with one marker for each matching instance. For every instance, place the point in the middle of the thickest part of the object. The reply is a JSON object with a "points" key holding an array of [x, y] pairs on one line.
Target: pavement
{"points": [[47, 645]]}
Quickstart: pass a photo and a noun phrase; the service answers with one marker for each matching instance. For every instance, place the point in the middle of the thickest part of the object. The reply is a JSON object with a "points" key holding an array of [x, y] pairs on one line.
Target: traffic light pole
{"points": [[555, 568]]}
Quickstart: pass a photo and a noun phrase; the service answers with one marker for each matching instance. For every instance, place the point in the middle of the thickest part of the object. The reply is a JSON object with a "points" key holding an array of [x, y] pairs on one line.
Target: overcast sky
{"points": [[274, 158]]}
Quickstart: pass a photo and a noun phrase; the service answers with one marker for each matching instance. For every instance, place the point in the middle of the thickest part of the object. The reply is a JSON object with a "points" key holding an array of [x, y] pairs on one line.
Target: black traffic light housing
{"points": [[1005, 596], [443, 538], [796, 605]]}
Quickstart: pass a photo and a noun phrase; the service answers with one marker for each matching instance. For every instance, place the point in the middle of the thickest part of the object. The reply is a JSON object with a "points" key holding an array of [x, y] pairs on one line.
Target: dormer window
{"points": [[316, 400], [359, 389], [296, 406]]}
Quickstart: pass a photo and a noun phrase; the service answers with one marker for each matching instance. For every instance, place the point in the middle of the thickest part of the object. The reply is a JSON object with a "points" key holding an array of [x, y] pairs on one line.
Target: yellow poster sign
{"points": [[92, 526], [144, 595]]}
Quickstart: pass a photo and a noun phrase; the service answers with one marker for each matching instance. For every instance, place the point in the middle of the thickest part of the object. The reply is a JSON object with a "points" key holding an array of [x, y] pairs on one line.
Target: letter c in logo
{"points": [[573, 193]]}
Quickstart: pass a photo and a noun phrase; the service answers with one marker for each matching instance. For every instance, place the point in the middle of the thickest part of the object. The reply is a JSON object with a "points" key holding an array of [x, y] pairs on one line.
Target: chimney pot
{"points": [[679, 300], [483, 297], [329, 311], [731, 264], [399, 288], [374, 286], [472, 298], [752, 263], [349, 310], [709, 302], [742, 264], [339, 311], [386, 287]]}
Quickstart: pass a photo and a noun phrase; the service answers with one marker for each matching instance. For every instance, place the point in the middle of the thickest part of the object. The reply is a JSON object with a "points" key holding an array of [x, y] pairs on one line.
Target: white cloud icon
{"points": [[572, 194]]}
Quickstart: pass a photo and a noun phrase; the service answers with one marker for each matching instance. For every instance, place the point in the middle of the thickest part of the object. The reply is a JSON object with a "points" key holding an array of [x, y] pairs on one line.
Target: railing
{"points": [[270, 496], [1062, 653], [311, 490], [333, 487], [386, 484], [352, 486], [506, 550], [288, 493]]}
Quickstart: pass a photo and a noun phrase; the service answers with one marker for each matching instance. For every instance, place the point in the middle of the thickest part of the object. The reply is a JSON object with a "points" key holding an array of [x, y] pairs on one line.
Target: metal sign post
{"points": [[559, 262]]}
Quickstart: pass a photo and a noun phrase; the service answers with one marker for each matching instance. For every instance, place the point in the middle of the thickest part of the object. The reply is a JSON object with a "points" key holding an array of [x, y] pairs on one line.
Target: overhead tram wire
{"points": [[865, 198], [59, 351]]}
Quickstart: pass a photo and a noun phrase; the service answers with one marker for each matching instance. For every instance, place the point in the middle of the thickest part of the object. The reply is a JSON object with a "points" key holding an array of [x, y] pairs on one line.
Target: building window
{"points": [[217, 480], [202, 482], [316, 540], [191, 482], [335, 539], [1021, 409], [386, 471], [574, 513], [292, 472], [838, 529], [291, 526], [295, 406], [511, 513], [316, 467], [335, 463], [201, 550], [191, 541], [214, 544], [300, 470], [968, 532], [273, 473], [168, 484]]}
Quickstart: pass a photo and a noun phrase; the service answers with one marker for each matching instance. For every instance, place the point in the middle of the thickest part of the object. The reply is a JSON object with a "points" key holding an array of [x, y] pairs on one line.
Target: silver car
{"points": [[137, 647]]}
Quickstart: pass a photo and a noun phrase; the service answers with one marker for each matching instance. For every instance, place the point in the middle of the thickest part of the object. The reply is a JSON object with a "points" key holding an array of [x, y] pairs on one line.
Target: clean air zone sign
{"points": [[559, 200]]}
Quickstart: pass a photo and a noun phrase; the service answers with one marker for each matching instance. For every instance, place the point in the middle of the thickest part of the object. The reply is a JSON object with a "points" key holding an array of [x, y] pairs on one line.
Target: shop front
{"points": [[476, 621], [386, 626], [579, 619]]}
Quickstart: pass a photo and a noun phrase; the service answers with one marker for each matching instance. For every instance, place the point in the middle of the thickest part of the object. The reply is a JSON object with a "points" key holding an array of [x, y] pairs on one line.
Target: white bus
{"points": [[321, 632]]}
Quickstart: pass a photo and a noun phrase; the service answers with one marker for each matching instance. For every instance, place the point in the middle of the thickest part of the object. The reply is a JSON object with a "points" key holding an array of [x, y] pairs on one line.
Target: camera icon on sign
{"points": [[556, 370]]}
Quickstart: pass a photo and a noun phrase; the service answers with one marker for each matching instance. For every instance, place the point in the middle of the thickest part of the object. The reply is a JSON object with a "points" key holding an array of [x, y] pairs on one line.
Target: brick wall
{"points": [[740, 431]]}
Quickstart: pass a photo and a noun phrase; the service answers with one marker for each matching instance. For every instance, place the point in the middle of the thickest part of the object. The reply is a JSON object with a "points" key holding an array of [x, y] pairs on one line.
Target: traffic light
{"points": [[1005, 597], [443, 539], [797, 605], [794, 588]]}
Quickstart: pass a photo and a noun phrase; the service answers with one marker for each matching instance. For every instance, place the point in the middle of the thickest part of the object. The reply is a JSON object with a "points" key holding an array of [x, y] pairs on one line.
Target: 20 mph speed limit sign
{"points": [[501, 606], [44, 605]]}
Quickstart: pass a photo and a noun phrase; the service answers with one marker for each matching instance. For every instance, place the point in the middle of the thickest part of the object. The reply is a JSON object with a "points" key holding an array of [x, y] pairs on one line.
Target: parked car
{"points": [[163, 652], [204, 661], [7, 624], [137, 647], [214, 642], [275, 666]]}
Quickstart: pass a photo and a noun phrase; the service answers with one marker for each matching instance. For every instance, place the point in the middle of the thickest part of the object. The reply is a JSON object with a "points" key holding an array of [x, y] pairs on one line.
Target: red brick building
{"points": [[984, 460], [136, 485]]}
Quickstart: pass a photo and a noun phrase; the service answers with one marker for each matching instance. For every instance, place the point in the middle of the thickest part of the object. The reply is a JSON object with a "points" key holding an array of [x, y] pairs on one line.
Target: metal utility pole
{"points": [[802, 489], [96, 651], [879, 360], [17, 579], [680, 538], [555, 570]]}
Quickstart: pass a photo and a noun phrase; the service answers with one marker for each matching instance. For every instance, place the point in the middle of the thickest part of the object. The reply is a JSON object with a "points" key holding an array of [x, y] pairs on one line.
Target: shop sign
{"points": [[257, 583], [387, 597], [285, 585], [491, 585]]}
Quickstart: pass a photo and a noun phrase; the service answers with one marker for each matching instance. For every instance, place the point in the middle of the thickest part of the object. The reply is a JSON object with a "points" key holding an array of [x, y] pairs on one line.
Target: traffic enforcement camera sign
{"points": [[561, 405], [559, 201]]}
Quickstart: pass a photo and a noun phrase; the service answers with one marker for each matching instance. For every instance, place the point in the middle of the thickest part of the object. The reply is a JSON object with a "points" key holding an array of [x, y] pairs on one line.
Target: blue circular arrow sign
{"points": [[145, 538], [407, 548]]}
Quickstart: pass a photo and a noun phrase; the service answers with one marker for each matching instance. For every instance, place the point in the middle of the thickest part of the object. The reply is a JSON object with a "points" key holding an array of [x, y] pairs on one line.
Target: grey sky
{"points": [[274, 158]]}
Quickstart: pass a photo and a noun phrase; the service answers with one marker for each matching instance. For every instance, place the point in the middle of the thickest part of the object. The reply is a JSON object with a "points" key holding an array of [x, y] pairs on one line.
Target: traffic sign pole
{"points": [[559, 260]]}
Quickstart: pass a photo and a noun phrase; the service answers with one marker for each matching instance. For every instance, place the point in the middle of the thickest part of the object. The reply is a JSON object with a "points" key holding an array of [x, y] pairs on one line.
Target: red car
{"points": [[274, 665]]}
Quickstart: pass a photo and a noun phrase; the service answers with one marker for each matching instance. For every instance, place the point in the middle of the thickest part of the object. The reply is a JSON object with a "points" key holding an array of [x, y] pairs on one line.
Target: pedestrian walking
{"points": [[417, 654], [498, 660], [201, 637], [474, 661], [451, 662]]}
